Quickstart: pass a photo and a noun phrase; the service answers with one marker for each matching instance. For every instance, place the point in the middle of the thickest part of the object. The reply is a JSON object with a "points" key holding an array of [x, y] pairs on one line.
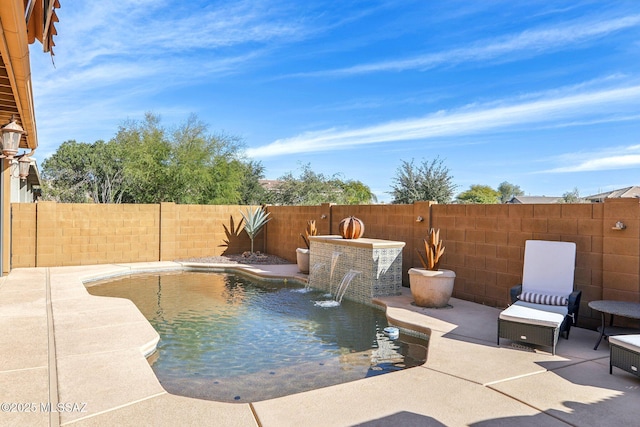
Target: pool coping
{"points": [[92, 353]]}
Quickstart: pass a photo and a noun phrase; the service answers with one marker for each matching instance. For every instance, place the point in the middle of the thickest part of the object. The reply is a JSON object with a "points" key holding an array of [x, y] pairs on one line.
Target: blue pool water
{"points": [[224, 337]]}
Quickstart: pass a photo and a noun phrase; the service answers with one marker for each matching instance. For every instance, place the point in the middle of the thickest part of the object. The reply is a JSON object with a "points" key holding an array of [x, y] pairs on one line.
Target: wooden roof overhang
{"points": [[21, 23]]}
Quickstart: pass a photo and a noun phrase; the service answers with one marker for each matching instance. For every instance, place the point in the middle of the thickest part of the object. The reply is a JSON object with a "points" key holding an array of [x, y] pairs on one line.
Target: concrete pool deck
{"points": [[61, 348]]}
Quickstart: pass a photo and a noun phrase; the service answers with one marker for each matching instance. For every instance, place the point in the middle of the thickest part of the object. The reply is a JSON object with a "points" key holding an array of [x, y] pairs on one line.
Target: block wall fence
{"points": [[484, 243]]}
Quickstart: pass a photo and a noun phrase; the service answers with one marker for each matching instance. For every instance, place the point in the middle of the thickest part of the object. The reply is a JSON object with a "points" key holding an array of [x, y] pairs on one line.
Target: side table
{"points": [[615, 308]]}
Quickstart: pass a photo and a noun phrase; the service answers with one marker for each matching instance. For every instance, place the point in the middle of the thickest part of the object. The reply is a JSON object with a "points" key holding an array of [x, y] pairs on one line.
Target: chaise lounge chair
{"points": [[624, 353], [545, 304]]}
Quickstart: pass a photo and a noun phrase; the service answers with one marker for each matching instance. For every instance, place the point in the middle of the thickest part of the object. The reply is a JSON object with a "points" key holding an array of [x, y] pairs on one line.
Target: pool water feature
{"points": [[226, 338]]}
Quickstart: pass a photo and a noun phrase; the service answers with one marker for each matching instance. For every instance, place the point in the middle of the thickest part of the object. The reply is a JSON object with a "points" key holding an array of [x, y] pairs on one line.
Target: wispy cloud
{"points": [[507, 48], [609, 159], [151, 40], [465, 121]]}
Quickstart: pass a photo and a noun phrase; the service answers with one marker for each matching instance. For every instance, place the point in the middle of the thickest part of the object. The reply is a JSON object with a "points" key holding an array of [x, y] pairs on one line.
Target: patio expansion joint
{"points": [[54, 418], [115, 408], [488, 386], [255, 414], [577, 362], [516, 377], [30, 368], [542, 410]]}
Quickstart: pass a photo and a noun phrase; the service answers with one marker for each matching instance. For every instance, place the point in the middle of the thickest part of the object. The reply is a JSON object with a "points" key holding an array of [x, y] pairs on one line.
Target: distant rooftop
{"points": [[535, 199], [628, 192], [270, 184]]}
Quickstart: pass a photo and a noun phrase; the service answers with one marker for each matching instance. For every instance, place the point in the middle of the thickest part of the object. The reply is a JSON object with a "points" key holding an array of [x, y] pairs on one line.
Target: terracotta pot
{"points": [[302, 258], [431, 288]]}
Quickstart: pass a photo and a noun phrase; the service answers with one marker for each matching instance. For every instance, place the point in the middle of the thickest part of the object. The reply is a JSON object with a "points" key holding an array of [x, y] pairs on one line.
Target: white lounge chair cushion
{"points": [[548, 267], [630, 342], [521, 314], [560, 309]]}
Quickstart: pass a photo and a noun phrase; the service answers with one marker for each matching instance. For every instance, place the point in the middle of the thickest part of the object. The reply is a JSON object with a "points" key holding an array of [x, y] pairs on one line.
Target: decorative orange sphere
{"points": [[351, 228]]}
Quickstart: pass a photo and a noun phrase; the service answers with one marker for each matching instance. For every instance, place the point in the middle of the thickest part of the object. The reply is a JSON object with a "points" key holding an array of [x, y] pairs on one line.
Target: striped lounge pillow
{"points": [[546, 299]]}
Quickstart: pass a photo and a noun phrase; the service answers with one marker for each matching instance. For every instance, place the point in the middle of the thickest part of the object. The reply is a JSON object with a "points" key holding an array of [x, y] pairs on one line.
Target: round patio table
{"points": [[615, 308]]}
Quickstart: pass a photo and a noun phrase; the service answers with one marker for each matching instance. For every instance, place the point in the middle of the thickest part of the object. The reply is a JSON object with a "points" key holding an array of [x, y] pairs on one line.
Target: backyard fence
{"points": [[484, 243]]}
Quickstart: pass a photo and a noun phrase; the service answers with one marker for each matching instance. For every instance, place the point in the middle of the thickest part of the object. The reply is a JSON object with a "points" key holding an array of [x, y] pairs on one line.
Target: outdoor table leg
{"points": [[602, 329]]}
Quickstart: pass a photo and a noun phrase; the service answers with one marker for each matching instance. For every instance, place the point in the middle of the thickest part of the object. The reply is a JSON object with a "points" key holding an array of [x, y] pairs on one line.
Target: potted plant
{"points": [[302, 254], [431, 286]]}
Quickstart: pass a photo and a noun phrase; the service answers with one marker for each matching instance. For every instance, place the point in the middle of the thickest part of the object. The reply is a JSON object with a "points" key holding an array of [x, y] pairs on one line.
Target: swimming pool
{"points": [[227, 338]]}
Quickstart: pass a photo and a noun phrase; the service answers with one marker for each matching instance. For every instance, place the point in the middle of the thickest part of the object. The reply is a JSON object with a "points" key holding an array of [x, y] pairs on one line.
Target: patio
{"points": [[58, 344]]}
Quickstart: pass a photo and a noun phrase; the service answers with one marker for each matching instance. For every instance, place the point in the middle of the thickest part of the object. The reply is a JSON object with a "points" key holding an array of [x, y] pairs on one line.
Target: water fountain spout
{"points": [[315, 269], [334, 261], [346, 280]]}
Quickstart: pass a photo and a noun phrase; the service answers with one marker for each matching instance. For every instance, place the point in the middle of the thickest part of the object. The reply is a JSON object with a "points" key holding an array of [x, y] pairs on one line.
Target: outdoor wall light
{"points": [[21, 165], [10, 139], [11, 134], [323, 216], [419, 219], [619, 226]]}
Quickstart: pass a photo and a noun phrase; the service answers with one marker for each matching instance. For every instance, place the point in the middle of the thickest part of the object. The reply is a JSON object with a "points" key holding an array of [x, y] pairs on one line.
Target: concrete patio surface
{"points": [[69, 358]]}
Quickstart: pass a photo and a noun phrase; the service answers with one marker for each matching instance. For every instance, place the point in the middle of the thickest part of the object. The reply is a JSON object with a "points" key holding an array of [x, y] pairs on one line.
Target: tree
{"points": [[148, 153], [572, 197], [251, 191], [508, 191], [426, 181], [480, 194], [81, 172], [355, 192], [145, 163], [312, 188]]}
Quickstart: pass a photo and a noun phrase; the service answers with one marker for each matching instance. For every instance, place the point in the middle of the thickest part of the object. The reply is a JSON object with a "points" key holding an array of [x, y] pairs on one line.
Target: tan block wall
{"points": [[81, 234], [484, 243], [621, 251], [485, 247], [23, 236], [57, 234], [288, 222], [195, 231]]}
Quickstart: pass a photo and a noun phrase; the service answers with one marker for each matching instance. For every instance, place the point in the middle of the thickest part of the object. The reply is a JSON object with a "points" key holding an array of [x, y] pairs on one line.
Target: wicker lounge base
{"points": [[624, 358], [529, 333]]}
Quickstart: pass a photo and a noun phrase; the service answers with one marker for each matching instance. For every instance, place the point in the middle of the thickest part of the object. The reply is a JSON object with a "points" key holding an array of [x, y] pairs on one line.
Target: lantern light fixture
{"points": [[10, 140], [11, 134]]}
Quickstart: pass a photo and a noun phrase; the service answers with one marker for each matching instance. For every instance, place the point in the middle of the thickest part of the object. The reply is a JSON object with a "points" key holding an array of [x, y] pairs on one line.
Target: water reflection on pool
{"points": [[224, 337]]}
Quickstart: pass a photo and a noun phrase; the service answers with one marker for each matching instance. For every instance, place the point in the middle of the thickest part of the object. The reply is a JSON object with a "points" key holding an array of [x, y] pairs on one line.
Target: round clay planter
{"points": [[302, 258], [431, 288]]}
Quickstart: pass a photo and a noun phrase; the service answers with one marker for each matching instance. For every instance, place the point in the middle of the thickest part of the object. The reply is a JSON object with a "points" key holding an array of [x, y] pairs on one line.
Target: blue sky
{"points": [[542, 94]]}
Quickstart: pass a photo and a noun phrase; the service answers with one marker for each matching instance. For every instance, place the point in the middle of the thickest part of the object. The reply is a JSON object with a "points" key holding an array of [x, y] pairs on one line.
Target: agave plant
{"points": [[311, 230], [433, 250], [254, 221]]}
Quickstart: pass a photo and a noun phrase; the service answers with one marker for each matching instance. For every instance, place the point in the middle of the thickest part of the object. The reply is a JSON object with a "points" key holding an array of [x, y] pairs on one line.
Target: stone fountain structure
{"points": [[373, 267]]}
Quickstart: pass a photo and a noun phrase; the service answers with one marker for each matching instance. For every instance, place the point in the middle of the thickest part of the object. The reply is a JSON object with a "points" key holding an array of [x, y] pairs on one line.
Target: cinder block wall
{"points": [[288, 222], [81, 234], [484, 243], [485, 247], [49, 234], [620, 252], [23, 236], [195, 231]]}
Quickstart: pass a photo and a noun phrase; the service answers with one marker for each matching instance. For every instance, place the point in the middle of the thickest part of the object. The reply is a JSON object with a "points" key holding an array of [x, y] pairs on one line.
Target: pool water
{"points": [[226, 338]]}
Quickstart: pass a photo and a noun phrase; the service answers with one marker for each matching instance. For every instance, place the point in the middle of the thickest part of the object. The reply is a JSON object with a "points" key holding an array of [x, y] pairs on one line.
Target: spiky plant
{"points": [[254, 221], [311, 230], [433, 250]]}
